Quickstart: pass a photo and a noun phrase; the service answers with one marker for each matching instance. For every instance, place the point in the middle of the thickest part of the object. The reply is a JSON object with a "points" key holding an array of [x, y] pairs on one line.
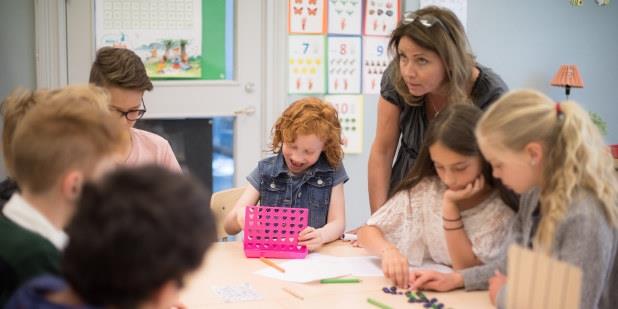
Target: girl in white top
{"points": [[448, 209]]}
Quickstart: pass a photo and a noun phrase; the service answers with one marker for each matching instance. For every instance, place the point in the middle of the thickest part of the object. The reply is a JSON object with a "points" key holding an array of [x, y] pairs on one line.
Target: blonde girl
{"points": [[556, 157]]}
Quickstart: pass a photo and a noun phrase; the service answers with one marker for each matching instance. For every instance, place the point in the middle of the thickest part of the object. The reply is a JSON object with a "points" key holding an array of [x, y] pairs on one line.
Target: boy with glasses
{"points": [[123, 74]]}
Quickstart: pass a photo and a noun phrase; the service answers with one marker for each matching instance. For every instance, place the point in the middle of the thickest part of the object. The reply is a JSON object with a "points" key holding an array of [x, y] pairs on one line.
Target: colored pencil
{"points": [[293, 293], [272, 264], [340, 280], [378, 304]]}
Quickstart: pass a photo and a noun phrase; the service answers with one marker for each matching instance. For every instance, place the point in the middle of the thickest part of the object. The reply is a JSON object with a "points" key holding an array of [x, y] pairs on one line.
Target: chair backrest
{"points": [[221, 203]]}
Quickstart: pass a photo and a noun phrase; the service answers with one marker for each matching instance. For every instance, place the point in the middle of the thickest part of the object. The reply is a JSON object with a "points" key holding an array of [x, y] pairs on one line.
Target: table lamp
{"points": [[568, 77]]}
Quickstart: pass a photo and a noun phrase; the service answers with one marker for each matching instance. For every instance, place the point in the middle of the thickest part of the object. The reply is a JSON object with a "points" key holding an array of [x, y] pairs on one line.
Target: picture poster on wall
{"points": [[345, 17], [344, 64], [306, 16], [381, 16], [459, 7], [306, 64], [350, 109], [166, 35], [375, 60]]}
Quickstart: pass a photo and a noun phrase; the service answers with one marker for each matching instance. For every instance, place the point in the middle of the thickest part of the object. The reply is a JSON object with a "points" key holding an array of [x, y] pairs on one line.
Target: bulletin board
{"points": [[339, 46], [181, 39], [338, 49]]}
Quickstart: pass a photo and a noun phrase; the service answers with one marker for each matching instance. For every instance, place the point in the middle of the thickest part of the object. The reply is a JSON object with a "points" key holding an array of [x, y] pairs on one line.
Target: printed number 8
{"points": [[343, 49]]}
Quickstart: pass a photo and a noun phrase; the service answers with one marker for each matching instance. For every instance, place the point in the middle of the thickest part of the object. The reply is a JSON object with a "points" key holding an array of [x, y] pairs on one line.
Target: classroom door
{"points": [[241, 96]]}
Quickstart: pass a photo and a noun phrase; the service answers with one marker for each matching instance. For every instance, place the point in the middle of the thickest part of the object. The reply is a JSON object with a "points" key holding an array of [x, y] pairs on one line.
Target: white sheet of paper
{"points": [[319, 266], [311, 268]]}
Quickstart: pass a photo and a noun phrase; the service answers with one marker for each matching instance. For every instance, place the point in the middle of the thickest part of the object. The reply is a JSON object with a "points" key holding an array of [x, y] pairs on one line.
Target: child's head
{"points": [[532, 141], [135, 238], [67, 137], [451, 152], [305, 130], [123, 74], [14, 108]]}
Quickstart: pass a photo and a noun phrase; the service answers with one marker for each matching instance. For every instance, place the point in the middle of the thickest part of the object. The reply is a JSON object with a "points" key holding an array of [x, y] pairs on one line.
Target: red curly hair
{"points": [[310, 116]]}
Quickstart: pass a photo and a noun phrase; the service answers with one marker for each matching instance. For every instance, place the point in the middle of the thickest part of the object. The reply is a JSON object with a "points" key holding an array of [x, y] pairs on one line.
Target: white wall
{"points": [[17, 60]]}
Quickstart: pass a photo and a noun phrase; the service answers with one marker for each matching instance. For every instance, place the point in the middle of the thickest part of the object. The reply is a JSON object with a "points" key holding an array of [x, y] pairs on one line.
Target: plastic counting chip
{"points": [[272, 232]]}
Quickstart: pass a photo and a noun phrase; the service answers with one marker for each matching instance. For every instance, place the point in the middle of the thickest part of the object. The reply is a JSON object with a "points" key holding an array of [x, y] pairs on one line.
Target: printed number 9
{"points": [[380, 50]]}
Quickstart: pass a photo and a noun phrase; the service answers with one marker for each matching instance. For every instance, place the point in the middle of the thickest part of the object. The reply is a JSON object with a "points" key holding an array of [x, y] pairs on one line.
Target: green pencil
{"points": [[340, 280], [378, 304]]}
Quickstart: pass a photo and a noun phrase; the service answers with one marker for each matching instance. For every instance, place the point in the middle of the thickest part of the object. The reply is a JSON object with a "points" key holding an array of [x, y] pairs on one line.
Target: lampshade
{"points": [[568, 76]]}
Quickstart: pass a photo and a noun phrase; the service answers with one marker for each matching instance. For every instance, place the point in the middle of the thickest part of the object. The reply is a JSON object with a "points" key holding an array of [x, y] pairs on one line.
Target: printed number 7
{"points": [[305, 47]]}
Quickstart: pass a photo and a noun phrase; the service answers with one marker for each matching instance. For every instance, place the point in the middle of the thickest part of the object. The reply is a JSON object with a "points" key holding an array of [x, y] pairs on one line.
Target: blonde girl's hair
{"points": [[447, 38], [310, 116], [575, 155]]}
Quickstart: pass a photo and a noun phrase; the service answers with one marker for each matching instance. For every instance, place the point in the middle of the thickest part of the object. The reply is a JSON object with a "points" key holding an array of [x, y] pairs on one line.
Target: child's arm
{"points": [[235, 219], [457, 241], [335, 226], [394, 264]]}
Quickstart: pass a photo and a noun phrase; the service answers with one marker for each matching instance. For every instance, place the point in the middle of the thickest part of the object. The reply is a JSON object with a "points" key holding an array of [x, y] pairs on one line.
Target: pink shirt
{"points": [[148, 147]]}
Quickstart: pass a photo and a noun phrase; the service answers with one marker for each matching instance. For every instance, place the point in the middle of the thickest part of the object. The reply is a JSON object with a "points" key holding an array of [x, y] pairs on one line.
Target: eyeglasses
{"points": [[426, 21], [132, 114]]}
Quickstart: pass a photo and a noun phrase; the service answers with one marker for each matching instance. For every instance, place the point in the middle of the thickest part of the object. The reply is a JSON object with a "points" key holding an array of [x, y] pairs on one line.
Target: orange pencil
{"points": [[293, 293], [272, 264]]}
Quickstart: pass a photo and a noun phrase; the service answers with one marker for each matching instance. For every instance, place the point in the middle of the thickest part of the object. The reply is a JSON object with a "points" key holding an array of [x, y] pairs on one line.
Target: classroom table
{"points": [[226, 265]]}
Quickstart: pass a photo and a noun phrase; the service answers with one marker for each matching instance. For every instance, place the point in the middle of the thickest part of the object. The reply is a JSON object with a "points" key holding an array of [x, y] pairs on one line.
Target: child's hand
{"points": [[436, 281], [395, 266], [310, 237], [495, 285], [468, 191]]}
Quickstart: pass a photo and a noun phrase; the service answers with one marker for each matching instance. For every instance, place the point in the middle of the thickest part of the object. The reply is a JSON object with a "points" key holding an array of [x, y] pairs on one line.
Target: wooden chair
{"points": [[221, 203]]}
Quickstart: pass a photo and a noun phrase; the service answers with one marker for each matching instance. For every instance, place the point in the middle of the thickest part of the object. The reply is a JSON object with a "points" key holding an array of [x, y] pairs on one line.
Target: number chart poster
{"points": [[381, 17], [166, 35], [375, 60], [344, 64], [345, 17], [306, 64], [306, 16], [350, 109]]}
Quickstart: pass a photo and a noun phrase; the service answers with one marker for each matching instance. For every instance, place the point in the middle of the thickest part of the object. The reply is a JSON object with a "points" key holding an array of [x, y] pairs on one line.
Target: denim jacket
{"points": [[310, 190]]}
